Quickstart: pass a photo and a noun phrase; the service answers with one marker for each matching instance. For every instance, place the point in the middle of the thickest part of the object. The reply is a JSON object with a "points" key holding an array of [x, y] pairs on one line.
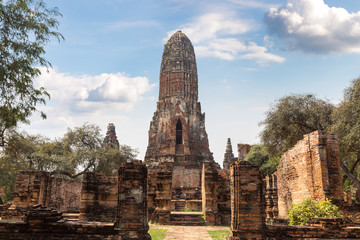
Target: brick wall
{"points": [[38, 187], [185, 177], [311, 169], [98, 198], [130, 212]]}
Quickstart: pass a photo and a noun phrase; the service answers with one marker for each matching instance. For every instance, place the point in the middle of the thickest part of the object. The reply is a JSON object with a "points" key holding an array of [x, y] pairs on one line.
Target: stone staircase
{"points": [[187, 219], [179, 205], [71, 216]]}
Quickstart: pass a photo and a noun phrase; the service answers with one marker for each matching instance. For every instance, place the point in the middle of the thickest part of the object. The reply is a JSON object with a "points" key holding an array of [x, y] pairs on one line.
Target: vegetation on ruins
{"points": [[157, 234], [26, 26], [300, 213], [80, 149], [346, 118], [259, 157], [219, 234]]}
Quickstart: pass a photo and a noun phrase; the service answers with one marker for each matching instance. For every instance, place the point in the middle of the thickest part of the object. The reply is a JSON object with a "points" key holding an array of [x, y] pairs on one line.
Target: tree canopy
{"points": [[26, 26], [259, 157], [290, 118], [346, 118]]}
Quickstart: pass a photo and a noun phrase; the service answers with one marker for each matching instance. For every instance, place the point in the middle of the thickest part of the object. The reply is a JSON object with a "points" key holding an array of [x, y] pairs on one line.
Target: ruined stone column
{"points": [[268, 197], [163, 180], [209, 186], [274, 197], [247, 202], [131, 216]]}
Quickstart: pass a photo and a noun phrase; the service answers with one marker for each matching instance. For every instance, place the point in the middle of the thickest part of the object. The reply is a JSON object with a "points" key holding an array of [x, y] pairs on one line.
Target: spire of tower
{"points": [[111, 139], [229, 155], [178, 72]]}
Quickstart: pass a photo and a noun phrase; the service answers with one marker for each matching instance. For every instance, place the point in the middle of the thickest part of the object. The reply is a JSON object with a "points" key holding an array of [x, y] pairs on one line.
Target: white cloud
{"points": [[312, 26], [218, 35], [88, 93]]}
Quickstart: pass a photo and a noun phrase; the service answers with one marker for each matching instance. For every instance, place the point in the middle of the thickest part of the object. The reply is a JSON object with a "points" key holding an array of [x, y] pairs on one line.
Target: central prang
{"points": [[177, 130]]}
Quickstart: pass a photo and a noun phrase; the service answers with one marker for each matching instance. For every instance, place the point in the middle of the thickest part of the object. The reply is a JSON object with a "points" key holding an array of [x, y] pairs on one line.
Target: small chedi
{"points": [[111, 138]]}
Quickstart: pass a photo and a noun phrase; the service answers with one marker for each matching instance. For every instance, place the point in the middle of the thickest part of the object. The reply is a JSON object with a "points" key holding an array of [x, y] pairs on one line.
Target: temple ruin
{"points": [[179, 183]]}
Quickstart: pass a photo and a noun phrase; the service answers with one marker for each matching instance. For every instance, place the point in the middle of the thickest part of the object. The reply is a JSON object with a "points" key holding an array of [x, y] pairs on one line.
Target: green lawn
{"points": [[157, 234], [219, 234]]}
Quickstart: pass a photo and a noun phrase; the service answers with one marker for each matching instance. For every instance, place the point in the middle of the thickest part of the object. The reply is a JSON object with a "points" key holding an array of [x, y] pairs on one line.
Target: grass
{"points": [[157, 234], [219, 234]]}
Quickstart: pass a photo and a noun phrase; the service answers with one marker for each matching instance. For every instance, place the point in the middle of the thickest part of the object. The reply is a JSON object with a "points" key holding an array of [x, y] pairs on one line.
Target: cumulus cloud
{"points": [[312, 26], [93, 92], [218, 35]]}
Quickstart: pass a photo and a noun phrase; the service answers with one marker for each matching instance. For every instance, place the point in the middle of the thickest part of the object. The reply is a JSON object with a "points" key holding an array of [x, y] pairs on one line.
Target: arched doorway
{"points": [[179, 138]]}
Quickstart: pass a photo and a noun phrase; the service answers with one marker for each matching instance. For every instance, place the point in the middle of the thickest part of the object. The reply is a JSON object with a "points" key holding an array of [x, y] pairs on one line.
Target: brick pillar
{"points": [[163, 194], [247, 202], [131, 217], [275, 197], [209, 187], [268, 197]]}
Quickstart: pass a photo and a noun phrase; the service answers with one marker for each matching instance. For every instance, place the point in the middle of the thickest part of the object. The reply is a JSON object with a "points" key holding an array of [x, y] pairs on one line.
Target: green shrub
{"points": [[157, 234], [219, 234], [300, 213]]}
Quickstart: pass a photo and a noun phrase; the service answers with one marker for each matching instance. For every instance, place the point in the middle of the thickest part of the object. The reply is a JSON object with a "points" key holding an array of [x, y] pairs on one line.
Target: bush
{"points": [[300, 213]]}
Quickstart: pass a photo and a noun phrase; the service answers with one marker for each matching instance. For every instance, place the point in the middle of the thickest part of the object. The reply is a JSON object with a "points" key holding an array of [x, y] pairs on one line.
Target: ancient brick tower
{"points": [[110, 139], [177, 130]]}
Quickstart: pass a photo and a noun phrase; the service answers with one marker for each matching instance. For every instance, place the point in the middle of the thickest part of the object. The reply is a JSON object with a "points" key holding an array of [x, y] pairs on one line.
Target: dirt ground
{"points": [[188, 232]]}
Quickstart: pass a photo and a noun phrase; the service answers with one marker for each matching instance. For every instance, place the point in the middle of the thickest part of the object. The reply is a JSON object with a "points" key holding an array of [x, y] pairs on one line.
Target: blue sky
{"points": [[249, 53]]}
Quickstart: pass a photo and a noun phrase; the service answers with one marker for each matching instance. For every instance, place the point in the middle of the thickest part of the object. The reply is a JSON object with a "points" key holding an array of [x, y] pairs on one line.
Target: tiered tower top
{"points": [[178, 73]]}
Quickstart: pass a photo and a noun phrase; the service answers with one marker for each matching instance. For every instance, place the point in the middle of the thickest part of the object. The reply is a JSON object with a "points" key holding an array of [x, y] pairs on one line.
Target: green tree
{"points": [[17, 155], [346, 118], [259, 157], [26, 26], [290, 118]]}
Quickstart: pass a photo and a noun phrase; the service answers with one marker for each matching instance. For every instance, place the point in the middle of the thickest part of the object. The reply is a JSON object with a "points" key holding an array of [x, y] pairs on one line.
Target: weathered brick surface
{"points": [[39, 230], [209, 190], [311, 169], [65, 194], [35, 188], [131, 220], [183, 177], [98, 198], [312, 232], [215, 192], [247, 202], [161, 199]]}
